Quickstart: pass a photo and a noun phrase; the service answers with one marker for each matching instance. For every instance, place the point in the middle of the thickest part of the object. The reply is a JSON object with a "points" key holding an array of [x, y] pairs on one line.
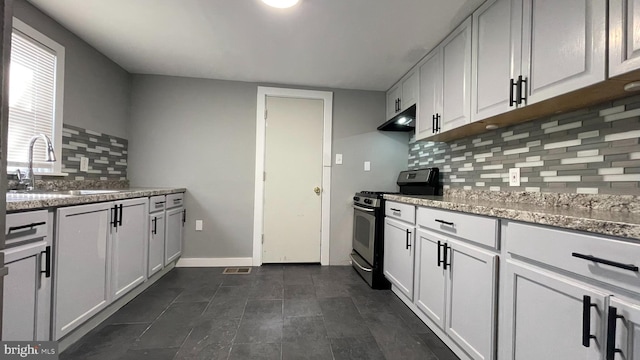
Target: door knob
{"points": [[316, 190]]}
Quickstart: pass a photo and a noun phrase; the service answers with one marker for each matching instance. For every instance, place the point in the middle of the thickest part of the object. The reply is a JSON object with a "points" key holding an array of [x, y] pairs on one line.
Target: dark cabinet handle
{"points": [[522, 99], [611, 333], [114, 216], [433, 124], [439, 257], [446, 256], [408, 240], [28, 226], [629, 267], [438, 122], [444, 222], [47, 262], [392, 209], [120, 221], [586, 320], [399, 104], [155, 223], [184, 216], [512, 101]]}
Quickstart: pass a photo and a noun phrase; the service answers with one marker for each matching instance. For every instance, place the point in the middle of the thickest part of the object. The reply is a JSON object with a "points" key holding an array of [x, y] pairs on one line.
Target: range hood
{"points": [[405, 121]]}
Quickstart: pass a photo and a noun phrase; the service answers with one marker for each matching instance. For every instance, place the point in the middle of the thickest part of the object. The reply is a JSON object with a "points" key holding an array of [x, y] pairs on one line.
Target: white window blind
{"points": [[32, 91]]}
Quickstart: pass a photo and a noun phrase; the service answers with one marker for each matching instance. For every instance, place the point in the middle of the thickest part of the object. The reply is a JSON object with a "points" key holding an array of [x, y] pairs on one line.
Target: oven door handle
{"points": [[363, 208], [358, 265]]}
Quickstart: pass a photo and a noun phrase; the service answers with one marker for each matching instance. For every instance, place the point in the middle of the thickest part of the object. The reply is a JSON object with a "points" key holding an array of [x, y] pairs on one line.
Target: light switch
{"points": [[84, 163], [199, 225], [338, 159], [367, 166], [514, 177]]}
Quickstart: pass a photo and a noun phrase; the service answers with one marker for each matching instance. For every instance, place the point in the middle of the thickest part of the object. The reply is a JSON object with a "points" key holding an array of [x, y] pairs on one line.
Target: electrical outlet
{"points": [[338, 159], [199, 225], [84, 164], [514, 177], [367, 166]]}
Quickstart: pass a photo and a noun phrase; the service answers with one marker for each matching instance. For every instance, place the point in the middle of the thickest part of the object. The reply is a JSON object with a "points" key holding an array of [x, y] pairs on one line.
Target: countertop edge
{"points": [[15, 206], [591, 225]]}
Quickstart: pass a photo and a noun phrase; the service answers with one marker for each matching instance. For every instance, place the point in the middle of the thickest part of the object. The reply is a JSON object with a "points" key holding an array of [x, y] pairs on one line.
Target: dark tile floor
{"points": [[276, 312]]}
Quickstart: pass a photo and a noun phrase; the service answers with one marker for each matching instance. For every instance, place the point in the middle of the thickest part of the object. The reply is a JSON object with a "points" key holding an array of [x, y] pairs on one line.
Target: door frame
{"points": [[258, 208]]}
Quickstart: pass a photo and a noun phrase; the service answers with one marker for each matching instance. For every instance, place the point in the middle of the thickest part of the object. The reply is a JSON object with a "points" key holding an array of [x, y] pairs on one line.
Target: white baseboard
{"points": [[214, 262]]}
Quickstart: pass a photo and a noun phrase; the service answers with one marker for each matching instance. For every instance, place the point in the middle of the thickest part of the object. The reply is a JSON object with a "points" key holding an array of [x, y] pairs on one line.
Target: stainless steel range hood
{"points": [[405, 121]]}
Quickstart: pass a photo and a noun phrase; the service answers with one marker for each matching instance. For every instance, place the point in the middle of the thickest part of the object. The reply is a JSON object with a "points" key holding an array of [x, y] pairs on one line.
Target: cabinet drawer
{"points": [[26, 226], [567, 250], [474, 228], [157, 203], [175, 200], [404, 212]]}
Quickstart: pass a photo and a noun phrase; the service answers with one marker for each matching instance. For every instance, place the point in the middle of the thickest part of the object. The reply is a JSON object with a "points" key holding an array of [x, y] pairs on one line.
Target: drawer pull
{"points": [[586, 320], [629, 267], [28, 226], [392, 209], [445, 222], [611, 333]]}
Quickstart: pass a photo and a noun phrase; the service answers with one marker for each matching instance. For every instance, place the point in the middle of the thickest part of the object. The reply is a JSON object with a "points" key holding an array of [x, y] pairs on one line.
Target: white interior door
{"points": [[293, 171]]}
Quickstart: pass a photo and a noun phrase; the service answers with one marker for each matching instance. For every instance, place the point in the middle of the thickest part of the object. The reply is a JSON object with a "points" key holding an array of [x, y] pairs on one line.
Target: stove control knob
{"points": [[355, 198], [367, 201]]}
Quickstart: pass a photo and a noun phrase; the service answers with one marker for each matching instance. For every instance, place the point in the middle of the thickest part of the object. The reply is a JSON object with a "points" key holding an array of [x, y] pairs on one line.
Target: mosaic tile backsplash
{"points": [[589, 151], [107, 154]]}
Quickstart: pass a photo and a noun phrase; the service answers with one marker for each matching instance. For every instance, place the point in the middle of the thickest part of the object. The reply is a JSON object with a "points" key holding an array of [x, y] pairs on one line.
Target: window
{"points": [[35, 98]]}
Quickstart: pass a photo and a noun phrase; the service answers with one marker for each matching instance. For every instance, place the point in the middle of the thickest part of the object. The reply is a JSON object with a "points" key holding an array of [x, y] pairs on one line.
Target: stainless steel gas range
{"points": [[368, 223]]}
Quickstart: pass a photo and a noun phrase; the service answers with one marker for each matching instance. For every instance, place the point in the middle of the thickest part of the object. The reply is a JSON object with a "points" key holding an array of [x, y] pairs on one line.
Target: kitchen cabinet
{"points": [[399, 255], [129, 245], [545, 316], [496, 49], [156, 234], [403, 95], [563, 46], [445, 84], [624, 36], [82, 264], [175, 217], [623, 327], [456, 289], [28, 259]]}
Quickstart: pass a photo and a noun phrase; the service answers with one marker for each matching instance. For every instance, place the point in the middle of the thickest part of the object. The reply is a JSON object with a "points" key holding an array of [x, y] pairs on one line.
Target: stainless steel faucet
{"points": [[50, 156]]}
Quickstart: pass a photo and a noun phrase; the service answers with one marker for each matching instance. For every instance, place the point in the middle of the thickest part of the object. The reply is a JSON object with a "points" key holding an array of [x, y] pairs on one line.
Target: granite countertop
{"points": [[577, 216], [31, 202]]}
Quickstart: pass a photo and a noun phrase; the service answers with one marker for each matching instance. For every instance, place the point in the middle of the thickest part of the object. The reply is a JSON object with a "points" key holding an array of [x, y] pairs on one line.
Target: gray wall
{"points": [[96, 90], [200, 134]]}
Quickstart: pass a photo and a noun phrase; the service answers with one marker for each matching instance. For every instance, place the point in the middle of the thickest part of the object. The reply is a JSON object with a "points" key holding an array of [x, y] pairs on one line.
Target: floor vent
{"points": [[237, 270]]}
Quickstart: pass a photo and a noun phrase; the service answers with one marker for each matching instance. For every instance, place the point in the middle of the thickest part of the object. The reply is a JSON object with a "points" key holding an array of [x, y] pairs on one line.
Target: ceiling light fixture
{"points": [[281, 4]]}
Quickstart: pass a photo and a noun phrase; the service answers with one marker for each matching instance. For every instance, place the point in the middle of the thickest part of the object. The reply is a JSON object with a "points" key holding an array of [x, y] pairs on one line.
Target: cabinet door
{"points": [[392, 97], [398, 255], [82, 271], [156, 243], [543, 316], [471, 299], [21, 292], [496, 45], [173, 235], [627, 334], [624, 36], [410, 88], [129, 266], [430, 277], [430, 94], [563, 46], [456, 90]]}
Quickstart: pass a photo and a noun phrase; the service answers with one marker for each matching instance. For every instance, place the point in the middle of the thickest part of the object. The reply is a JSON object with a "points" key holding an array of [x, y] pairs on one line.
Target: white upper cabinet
{"points": [[564, 44], [393, 100], [430, 102], [496, 49], [624, 36], [403, 95], [456, 90]]}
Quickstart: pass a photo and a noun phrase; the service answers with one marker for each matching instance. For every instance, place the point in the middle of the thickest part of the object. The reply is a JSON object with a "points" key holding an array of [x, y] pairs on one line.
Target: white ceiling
{"points": [[351, 44]]}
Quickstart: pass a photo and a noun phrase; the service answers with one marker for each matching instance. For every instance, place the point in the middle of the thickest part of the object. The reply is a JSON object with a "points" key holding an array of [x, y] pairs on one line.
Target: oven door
{"points": [[364, 232]]}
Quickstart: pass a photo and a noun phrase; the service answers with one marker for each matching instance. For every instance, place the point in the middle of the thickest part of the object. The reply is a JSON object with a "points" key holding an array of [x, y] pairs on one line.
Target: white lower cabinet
{"points": [[173, 234], [82, 266], [456, 289], [623, 329], [399, 255], [156, 242], [129, 246]]}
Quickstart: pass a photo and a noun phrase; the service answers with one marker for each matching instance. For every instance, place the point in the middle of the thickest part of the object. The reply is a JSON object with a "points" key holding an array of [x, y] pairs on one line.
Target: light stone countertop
{"points": [[614, 223], [68, 200]]}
